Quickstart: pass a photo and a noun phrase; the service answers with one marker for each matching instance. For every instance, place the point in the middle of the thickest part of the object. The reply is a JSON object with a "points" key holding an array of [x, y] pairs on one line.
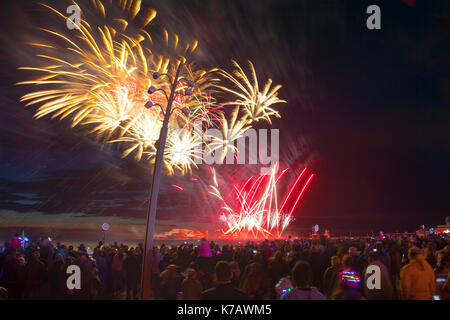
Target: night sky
{"points": [[372, 105]]}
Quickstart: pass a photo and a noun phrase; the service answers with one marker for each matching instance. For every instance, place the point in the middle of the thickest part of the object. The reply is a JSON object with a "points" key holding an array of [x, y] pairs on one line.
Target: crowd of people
{"points": [[292, 269]]}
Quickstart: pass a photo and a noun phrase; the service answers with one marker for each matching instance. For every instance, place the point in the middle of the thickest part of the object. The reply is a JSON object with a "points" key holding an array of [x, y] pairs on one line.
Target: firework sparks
{"points": [[101, 79], [181, 152], [255, 103], [177, 187], [98, 75], [231, 130], [255, 212]]}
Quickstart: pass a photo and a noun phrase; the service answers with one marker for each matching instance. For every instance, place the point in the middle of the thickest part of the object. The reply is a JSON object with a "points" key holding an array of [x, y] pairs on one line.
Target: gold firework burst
{"points": [[98, 74], [255, 103]]}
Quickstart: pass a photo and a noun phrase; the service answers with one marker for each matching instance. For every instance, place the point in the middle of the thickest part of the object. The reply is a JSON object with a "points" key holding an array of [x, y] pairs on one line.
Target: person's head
{"points": [[253, 278], [223, 271], [169, 272], [193, 265], [36, 255], [191, 273], [258, 256], [353, 251], [413, 252], [204, 249], [12, 252], [302, 274], [278, 255], [70, 260], [235, 267], [22, 260], [347, 260], [335, 261]]}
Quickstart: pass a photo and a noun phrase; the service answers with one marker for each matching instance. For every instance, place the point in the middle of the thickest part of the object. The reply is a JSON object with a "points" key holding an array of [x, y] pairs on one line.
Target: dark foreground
{"points": [[411, 268]]}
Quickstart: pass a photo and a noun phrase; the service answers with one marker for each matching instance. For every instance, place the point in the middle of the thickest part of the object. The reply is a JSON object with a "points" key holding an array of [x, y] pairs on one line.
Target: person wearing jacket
{"points": [[417, 279]]}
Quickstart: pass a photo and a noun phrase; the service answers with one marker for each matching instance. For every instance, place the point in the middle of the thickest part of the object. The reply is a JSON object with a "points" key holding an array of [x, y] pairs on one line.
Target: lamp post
{"points": [[157, 169]]}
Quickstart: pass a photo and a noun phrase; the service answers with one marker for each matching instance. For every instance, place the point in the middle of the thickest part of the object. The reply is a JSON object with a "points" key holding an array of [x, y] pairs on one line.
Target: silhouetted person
{"points": [[131, 272], [303, 278], [224, 290], [34, 276], [191, 287]]}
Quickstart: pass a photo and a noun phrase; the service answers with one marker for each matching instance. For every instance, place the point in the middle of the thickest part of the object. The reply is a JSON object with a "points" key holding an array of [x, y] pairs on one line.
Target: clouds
{"points": [[108, 191]]}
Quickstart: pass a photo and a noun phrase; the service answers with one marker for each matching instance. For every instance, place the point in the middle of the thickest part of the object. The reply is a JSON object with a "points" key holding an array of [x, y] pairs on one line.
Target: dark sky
{"points": [[373, 106]]}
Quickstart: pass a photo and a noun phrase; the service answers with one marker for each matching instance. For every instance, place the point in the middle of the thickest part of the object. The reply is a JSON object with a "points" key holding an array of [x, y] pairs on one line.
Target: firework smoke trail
{"points": [[98, 76], [255, 212]]}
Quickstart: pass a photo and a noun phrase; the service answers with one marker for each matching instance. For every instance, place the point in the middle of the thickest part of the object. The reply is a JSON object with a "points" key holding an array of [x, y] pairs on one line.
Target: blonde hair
{"points": [[415, 254]]}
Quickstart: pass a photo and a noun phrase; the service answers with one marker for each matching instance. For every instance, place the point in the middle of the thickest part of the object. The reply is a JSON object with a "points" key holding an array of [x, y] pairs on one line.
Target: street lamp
{"points": [[151, 211]]}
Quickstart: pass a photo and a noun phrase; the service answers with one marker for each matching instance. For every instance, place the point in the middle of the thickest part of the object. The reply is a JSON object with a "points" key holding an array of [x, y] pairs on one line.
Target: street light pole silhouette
{"points": [[157, 169]]}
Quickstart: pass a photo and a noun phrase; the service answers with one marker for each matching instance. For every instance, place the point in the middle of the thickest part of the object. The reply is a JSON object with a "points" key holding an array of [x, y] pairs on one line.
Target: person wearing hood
{"points": [[204, 249], [417, 278]]}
